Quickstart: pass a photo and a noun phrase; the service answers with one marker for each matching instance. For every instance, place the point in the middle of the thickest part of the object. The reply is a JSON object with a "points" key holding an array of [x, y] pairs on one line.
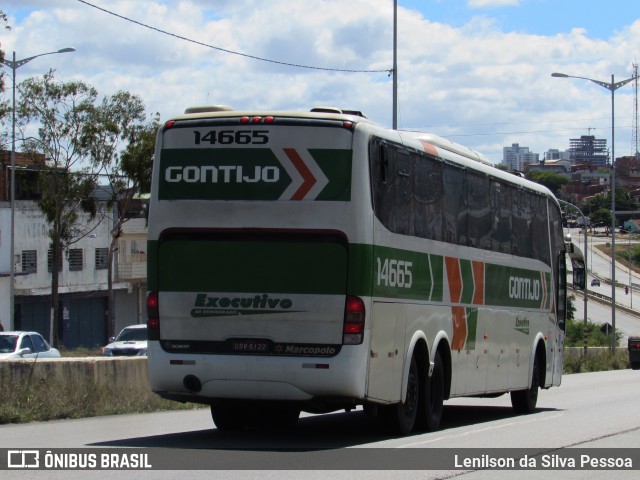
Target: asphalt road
{"points": [[590, 410]]}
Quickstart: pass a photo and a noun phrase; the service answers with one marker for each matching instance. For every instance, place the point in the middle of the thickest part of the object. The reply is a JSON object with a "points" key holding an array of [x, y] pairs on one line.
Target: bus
{"points": [[314, 261]]}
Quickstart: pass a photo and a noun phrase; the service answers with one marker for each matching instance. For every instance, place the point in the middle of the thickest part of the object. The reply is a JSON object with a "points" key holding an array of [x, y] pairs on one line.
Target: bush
{"points": [[597, 361], [575, 332], [33, 398]]}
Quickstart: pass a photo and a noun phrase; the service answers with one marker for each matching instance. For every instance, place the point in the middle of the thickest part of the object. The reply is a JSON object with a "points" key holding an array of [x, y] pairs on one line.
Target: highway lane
{"points": [[599, 266], [588, 410]]}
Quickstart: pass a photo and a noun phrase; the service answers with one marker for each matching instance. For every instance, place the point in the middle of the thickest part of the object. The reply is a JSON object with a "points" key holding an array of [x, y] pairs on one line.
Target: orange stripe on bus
{"points": [[459, 328], [455, 279], [478, 281]]}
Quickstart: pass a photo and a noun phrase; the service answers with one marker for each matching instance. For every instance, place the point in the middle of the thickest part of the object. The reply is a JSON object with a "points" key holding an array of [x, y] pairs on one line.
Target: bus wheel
{"points": [[434, 395], [524, 401], [279, 418], [228, 418], [400, 418]]}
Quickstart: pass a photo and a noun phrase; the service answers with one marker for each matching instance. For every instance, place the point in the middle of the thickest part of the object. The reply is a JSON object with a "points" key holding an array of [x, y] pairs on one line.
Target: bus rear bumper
{"points": [[205, 378]]}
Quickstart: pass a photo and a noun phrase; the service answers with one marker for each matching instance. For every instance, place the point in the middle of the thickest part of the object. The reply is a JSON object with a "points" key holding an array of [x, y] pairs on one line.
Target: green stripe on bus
{"points": [[328, 268], [472, 328], [467, 281], [336, 165], [395, 273], [514, 287], [250, 174], [251, 266]]}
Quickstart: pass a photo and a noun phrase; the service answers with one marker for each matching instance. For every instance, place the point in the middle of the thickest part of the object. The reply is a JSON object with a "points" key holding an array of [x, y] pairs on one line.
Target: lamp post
{"points": [[612, 86], [586, 269], [14, 65], [395, 66]]}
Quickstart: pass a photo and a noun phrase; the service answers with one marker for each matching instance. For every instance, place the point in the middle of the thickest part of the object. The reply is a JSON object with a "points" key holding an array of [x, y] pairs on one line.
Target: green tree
{"points": [[62, 111], [137, 158], [113, 123], [601, 216], [624, 200], [597, 202], [553, 181]]}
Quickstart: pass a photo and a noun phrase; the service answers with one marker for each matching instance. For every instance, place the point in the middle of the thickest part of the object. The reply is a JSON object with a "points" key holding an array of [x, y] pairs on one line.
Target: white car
{"points": [[130, 342], [25, 345]]}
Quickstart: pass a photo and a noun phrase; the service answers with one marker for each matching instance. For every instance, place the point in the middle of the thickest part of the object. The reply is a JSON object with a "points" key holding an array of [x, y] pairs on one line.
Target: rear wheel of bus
{"points": [[524, 401], [228, 418], [434, 395], [254, 415], [400, 418]]}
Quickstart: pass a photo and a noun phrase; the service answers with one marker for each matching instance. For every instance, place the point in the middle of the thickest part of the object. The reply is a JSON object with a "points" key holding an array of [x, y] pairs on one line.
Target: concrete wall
{"points": [[107, 372]]}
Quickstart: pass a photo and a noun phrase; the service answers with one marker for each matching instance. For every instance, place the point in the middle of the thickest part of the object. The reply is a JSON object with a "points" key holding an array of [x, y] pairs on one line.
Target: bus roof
{"points": [[447, 149]]}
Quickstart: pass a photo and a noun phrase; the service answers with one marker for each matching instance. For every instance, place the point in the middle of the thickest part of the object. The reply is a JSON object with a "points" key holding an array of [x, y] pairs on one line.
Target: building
{"points": [[516, 157], [555, 154], [83, 280], [589, 150]]}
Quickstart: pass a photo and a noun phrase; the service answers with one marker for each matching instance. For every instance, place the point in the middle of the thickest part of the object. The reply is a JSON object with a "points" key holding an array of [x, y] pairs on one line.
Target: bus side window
{"points": [[455, 206], [428, 195], [478, 218]]}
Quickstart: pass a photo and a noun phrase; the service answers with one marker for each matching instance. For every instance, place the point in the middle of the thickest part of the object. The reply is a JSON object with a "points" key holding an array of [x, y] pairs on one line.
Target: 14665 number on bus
{"points": [[394, 273], [230, 137]]}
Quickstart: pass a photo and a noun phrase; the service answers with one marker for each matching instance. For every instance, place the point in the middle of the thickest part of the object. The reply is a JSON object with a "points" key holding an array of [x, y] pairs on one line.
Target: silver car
{"points": [[130, 342], [20, 344]]}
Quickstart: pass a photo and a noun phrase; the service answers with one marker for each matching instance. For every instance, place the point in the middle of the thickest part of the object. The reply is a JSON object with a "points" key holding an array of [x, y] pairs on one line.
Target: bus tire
{"points": [[400, 418], [524, 401], [228, 419], [279, 418], [434, 395]]}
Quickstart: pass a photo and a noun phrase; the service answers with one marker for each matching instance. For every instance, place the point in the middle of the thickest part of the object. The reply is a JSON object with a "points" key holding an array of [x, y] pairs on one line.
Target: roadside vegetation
{"points": [[599, 357], [32, 399]]}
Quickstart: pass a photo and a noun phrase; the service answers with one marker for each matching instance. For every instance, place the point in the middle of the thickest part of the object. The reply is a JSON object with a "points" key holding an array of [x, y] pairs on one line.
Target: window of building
{"points": [[75, 259], [102, 258], [29, 261]]}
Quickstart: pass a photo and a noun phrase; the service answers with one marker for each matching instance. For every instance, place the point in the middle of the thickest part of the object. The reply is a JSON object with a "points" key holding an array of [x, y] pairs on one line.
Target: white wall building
{"points": [[516, 157], [82, 281]]}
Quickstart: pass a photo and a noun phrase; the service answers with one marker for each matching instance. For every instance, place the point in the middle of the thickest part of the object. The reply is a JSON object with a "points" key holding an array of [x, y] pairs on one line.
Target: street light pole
{"points": [[14, 65], [613, 86], [395, 66], [586, 270]]}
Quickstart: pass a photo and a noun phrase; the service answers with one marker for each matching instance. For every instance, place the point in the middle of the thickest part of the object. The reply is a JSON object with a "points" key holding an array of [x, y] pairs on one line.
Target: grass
{"points": [[598, 361], [31, 399]]}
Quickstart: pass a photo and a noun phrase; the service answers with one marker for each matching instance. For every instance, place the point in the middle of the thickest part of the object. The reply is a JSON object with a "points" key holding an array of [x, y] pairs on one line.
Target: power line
{"points": [[388, 71]]}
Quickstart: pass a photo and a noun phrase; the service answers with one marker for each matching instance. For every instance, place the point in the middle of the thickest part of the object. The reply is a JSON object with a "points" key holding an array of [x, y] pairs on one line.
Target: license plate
{"points": [[250, 346]]}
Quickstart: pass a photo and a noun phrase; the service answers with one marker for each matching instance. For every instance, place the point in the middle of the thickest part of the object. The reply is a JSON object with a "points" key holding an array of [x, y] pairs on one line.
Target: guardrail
{"points": [[606, 300]]}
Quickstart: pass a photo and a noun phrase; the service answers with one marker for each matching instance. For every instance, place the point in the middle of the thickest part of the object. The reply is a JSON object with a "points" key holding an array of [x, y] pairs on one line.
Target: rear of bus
{"points": [[253, 273]]}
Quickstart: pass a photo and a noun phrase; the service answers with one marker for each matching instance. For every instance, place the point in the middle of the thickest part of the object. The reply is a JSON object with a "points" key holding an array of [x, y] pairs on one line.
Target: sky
{"points": [[475, 71]]}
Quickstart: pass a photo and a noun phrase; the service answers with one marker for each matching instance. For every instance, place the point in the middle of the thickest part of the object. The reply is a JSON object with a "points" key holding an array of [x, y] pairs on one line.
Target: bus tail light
{"points": [[354, 313], [153, 316]]}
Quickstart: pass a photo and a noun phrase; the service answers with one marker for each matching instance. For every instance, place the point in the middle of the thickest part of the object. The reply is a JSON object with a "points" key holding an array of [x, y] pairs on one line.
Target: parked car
{"points": [[595, 282], [130, 342], [25, 345]]}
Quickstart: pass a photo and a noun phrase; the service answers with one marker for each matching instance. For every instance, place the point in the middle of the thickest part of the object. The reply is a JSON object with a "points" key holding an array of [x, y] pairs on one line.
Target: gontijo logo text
{"points": [[221, 174], [522, 288]]}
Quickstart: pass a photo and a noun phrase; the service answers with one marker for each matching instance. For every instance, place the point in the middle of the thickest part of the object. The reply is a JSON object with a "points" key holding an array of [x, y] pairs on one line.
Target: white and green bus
{"points": [[313, 261]]}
